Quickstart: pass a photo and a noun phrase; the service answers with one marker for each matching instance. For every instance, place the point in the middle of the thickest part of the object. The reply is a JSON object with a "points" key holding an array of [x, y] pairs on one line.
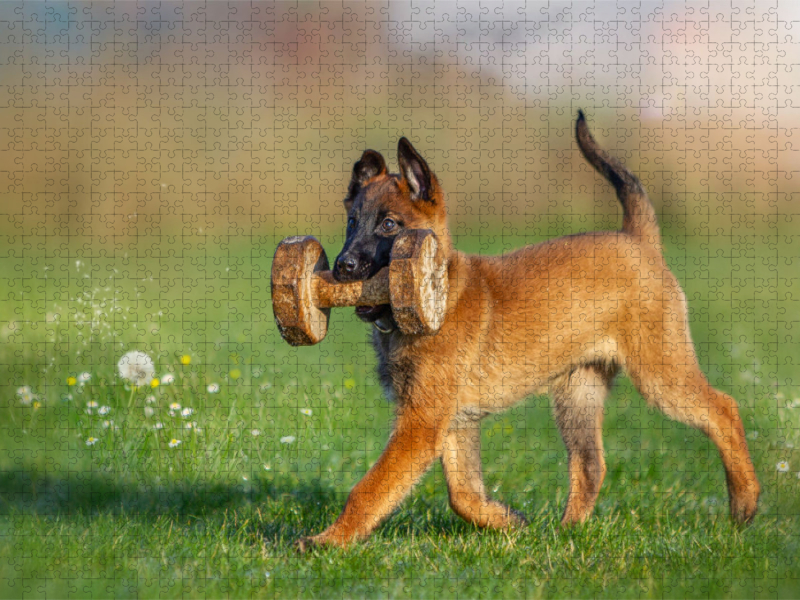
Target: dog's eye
{"points": [[388, 225], [351, 224]]}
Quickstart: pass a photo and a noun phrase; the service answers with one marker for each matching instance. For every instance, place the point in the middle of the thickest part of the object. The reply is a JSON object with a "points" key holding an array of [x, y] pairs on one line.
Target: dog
{"points": [[563, 316]]}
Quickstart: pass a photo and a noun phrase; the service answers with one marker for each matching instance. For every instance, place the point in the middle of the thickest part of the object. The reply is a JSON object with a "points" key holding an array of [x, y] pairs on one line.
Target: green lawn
{"points": [[216, 515]]}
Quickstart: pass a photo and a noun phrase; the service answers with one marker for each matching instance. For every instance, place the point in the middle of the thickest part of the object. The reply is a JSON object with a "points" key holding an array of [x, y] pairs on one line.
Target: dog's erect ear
{"points": [[415, 171], [371, 164]]}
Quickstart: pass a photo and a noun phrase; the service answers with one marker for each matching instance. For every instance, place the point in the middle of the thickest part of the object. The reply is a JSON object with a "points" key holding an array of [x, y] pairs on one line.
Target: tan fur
{"points": [[562, 316]]}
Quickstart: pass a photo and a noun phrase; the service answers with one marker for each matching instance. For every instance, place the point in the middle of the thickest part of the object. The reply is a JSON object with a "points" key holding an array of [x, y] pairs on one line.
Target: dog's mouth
{"points": [[370, 314]]}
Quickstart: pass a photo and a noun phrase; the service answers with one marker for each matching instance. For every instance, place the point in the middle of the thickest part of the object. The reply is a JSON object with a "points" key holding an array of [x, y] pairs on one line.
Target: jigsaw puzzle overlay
{"points": [[159, 438]]}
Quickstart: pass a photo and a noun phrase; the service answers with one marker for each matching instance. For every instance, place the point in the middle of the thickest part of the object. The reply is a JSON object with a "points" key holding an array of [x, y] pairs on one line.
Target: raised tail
{"points": [[639, 216]]}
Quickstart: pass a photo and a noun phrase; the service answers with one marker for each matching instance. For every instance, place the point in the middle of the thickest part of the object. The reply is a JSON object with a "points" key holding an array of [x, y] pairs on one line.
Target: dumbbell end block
{"points": [[299, 320], [417, 282]]}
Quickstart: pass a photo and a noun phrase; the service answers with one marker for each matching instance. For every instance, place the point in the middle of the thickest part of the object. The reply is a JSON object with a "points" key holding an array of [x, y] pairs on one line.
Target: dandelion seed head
{"points": [[136, 367]]}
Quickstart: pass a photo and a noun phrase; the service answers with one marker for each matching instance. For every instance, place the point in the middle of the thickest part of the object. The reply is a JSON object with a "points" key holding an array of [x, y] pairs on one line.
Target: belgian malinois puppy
{"points": [[562, 316]]}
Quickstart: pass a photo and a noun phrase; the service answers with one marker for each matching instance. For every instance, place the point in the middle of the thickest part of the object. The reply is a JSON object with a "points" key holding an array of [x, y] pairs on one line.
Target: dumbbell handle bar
{"points": [[327, 292]]}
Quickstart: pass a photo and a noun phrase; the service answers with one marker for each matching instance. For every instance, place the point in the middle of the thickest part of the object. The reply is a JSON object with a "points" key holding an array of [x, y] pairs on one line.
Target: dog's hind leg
{"points": [[663, 364], [678, 387], [578, 399], [461, 461]]}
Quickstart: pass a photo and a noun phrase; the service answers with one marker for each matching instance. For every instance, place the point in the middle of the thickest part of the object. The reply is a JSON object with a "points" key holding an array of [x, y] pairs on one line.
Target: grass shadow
{"points": [[88, 494]]}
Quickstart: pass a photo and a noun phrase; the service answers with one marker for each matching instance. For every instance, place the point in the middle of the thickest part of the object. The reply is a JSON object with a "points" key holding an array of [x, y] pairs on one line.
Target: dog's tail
{"points": [[639, 216]]}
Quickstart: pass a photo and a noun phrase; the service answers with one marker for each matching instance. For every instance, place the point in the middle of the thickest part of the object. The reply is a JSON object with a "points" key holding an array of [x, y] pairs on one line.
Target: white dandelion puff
{"points": [[136, 367]]}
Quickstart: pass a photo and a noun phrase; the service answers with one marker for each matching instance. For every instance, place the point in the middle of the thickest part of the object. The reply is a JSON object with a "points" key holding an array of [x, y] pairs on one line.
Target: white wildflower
{"points": [[288, 439]]}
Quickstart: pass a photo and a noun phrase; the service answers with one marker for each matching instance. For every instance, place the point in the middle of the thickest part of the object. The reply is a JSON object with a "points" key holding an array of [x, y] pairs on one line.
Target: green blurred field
{"points": [[216, 515]]}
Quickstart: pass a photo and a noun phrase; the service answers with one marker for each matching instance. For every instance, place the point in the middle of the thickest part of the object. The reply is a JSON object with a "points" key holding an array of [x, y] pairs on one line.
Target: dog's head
{"points": [[379, 206]]}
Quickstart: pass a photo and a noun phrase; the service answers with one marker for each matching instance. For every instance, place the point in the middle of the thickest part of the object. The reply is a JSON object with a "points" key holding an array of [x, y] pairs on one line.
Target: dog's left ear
{"points": [[415, 171], [371, 164]]}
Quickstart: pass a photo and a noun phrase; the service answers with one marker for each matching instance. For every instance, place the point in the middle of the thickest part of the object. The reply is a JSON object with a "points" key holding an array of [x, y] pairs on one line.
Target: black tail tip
{"points": [[581, 116]]}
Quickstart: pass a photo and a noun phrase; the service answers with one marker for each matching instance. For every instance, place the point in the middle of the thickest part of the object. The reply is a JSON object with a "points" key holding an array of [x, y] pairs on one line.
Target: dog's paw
{"points": [[308, 543], [322, 540]]}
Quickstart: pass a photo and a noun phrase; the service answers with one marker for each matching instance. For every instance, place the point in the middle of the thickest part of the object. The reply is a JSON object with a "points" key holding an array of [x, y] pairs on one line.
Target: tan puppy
{"points": [[562, 316]]}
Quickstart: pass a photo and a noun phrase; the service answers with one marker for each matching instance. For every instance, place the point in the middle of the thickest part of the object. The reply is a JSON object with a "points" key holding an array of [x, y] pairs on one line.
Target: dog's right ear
{"points": [[371, 164], [415, 171]]}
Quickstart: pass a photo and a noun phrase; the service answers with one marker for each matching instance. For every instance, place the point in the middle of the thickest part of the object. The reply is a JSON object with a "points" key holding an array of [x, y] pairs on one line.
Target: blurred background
{"points": [[145, 121]]}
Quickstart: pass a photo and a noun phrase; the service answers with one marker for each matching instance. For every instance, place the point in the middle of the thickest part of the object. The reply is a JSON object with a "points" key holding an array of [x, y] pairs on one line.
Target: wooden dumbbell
{"points": [[304, 290]]}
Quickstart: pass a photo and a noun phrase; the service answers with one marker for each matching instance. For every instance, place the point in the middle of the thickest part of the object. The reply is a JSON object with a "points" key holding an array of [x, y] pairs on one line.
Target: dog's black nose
{"points": [[347, 263]]}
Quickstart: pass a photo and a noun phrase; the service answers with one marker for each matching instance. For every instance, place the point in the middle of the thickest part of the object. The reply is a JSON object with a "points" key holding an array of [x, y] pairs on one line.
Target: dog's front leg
{"points": [[414, 445]]}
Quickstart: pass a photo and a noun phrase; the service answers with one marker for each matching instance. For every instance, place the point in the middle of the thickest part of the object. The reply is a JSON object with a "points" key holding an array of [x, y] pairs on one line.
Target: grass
{"points": [[216, 515]]}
